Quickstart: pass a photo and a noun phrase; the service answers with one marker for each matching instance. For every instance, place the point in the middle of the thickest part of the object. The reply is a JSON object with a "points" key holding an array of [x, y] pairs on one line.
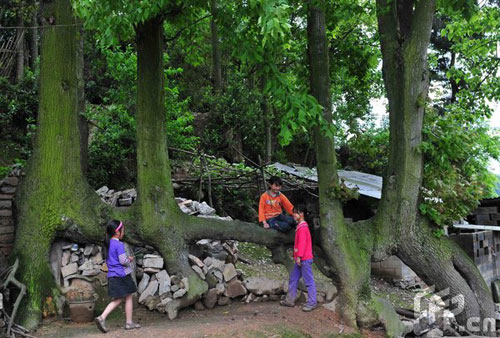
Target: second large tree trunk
{"points": [[346, 251], [405, 28]]}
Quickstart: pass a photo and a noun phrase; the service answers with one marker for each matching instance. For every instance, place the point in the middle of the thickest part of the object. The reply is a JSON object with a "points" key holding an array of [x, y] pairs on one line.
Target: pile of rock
{"points": [[126, 198], [225, 282], [201, 209], [226, 251], [123, 198], [78, 261], [156, 287]]}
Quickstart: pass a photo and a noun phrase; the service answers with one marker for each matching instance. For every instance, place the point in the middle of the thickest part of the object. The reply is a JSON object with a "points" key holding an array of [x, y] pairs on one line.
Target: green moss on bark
{"points": [[54, 177]]}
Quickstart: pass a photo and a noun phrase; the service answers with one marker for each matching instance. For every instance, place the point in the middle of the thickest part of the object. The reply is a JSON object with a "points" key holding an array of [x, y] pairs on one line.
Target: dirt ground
{"points": [[267, 319]]}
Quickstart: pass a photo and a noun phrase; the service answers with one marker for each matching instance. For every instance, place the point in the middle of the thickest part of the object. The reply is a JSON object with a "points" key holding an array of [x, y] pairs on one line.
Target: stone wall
{"points": [[8, 188]]}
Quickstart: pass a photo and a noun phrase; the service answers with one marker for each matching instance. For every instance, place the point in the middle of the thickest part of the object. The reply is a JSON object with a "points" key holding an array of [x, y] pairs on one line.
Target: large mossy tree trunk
{"points": [[160, 221], [346, 249], [54, 191], [159, 216], [405, 28]]}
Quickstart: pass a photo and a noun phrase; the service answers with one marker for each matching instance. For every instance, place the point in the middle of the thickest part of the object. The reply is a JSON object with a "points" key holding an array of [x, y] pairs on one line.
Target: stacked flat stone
{"points": [[157, 288], [123, 198], [8, 187], [79, 261]]}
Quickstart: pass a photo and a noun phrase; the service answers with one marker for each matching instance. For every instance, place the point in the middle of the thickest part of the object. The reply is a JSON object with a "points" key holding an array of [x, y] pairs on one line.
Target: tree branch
{"points": [[422, 24], [196, 228], [179, 32]]}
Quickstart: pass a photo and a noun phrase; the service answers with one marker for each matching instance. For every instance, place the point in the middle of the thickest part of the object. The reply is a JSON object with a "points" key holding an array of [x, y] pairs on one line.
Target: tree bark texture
{"points": [[346, 251], [34, 42], [405, 28], [20, 50], [159, 215], [54, 189]]}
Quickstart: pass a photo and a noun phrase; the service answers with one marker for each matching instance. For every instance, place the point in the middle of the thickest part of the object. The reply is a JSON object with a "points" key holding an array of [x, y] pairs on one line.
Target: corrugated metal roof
{"points": [[476, 227], [367, 184]]}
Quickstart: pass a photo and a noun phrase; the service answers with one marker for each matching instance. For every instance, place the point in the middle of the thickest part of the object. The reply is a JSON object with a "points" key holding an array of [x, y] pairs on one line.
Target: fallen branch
{"points": [[12, 279], [406, 313]]}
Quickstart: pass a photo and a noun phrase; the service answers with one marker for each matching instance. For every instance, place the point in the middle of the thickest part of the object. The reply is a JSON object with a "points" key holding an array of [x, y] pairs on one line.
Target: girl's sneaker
{"points": [[309, 308], [286, 302]]}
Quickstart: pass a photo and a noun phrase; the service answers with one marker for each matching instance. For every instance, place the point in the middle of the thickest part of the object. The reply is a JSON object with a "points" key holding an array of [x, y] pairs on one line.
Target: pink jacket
{"points": [[303, 243]]}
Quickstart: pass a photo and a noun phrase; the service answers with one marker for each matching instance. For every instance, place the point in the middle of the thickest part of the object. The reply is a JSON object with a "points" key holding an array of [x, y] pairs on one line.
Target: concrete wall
{"points": [[393, 270]]}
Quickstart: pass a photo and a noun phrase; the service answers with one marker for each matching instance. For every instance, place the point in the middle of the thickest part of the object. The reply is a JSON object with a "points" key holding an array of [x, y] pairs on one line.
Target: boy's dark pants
{"points": [[304, 271], [281, 222]]}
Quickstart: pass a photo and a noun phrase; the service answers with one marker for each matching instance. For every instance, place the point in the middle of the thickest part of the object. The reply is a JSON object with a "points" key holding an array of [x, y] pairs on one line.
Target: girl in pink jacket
{"points": [[303, 257]]}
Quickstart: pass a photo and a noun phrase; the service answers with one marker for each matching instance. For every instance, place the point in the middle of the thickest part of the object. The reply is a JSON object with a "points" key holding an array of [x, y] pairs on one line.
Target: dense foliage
{"points": [[112, 142], [18, 111], [458, 141], [264, 62]]}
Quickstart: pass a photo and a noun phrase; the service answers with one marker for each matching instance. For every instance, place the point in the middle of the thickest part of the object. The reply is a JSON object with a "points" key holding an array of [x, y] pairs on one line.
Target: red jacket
{"points": [[270, 206], [303, 243]]}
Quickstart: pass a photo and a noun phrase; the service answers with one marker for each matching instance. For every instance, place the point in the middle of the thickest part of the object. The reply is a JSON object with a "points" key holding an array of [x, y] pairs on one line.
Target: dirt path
{"points": [[235, 320]]}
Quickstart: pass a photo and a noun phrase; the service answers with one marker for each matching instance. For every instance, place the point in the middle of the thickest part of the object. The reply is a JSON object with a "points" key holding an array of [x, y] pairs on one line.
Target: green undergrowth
{"points": [[287, 332], [254, 252], [4, 171], [394, 299], [261, 264], [280, 331]]}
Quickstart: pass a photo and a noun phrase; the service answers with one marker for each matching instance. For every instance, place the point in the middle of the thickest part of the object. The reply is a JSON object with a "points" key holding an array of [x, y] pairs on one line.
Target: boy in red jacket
{"points": [[271, 206], [303, 257]]}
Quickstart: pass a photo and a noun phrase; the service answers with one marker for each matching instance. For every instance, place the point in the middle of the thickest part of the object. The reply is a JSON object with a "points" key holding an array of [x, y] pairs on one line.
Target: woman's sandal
{"points": [[101, 324], [131, 326]]}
